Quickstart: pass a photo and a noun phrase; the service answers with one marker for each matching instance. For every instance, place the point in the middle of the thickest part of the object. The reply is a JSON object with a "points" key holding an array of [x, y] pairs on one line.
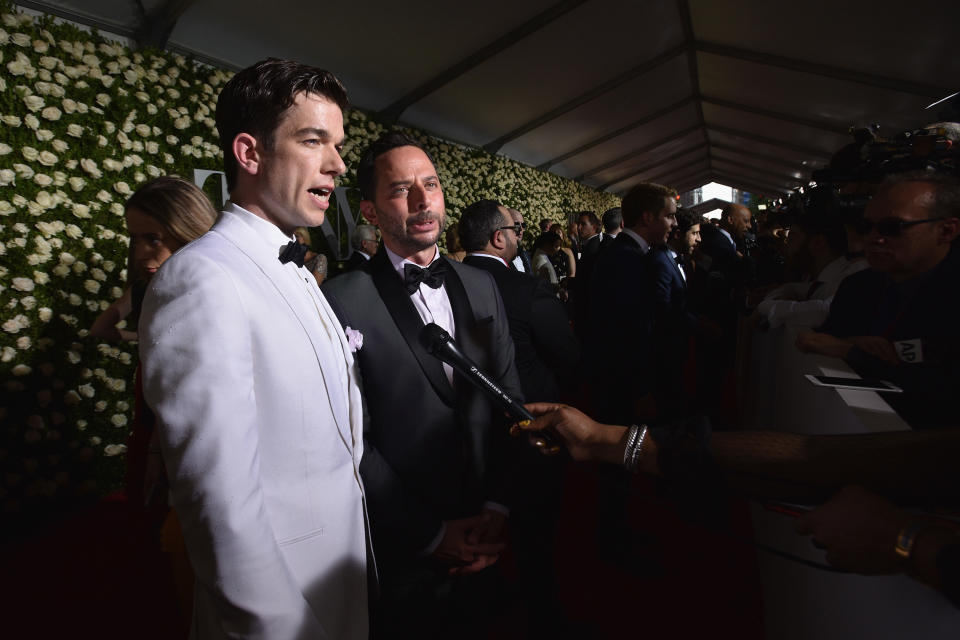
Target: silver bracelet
{"points": [[632, 454], [632, 434]]}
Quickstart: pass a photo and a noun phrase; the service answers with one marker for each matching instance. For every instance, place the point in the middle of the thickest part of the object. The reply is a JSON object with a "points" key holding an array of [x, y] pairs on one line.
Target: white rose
{"points": [[142, 130], [182, 122], [118, 385], [23, 171], [45, 200], [7, 176], [74, 300], [45, 314], [81, 210], [43, 180], [33, 102], [22, 284], [73, 231], [61, 271], [87, 243], [20, 39], [107, 81], [8, 354], [102, 141], [172, 140], [41, 277], [23, 343], [69, 105], [103, 99], [101, 405], [77, 183], [91, 286], [48, 62], [153, 171], [114, 449], [79, 267], [86, 390], [44, 134], [47, 158], [5, 209], [5, 148], [51, 113], [74, 130], [11, 121], [167, 158], [90, 167], [152, 109], [59, 146], [97, 273], [30, 154], [20, 370]]}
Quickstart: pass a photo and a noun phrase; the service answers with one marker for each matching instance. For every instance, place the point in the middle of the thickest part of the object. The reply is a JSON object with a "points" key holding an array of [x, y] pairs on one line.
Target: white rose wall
{"points": [[84, 121]]}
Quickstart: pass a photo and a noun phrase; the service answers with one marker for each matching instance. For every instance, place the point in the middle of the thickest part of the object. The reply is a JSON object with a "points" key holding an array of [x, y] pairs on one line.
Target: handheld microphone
{"points": [[440, 345]]}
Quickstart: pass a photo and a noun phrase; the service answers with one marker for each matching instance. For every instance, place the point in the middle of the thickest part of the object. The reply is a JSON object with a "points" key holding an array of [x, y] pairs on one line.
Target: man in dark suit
{"points": [[897, 320], [674, 323], [546, 349], [588, 230], [522, 262], [621, 312], [365, 245], [546, 354], [433, 456]]}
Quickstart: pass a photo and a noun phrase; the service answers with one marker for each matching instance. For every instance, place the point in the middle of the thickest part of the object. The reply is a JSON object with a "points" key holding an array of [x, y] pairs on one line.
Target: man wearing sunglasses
{"points": [[897, 320]]}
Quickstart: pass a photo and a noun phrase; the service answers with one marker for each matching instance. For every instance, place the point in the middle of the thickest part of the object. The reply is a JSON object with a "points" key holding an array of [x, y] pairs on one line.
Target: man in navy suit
{"points": [[674, 322]]}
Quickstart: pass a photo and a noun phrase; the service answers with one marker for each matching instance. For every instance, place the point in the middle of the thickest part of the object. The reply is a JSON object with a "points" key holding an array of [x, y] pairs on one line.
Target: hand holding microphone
{"points": [[440, 345]]}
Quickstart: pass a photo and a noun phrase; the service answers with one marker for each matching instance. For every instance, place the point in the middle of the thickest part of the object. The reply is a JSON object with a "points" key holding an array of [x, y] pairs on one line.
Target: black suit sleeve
{"points": [[553, 338]]}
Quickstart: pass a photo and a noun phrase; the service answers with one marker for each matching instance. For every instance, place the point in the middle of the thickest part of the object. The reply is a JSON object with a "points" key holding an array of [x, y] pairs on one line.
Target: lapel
{"points": [[397, 301], [299, 301]]}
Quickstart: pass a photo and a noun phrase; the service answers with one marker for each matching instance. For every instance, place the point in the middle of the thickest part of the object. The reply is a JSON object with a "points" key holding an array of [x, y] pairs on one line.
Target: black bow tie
{"points": [[432, 276], [293, 252]]}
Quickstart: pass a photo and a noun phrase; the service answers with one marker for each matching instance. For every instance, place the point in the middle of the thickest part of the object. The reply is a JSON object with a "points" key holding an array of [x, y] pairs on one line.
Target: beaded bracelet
{"points": [[635, 439]]}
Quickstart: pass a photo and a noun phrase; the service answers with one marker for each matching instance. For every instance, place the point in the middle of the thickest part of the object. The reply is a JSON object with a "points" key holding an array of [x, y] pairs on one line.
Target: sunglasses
{"points": [[889, 227], [517, 228]]}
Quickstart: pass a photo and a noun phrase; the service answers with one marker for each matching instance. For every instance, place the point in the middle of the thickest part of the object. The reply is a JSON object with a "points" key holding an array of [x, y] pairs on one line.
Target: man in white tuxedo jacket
{"points": [[253, 380]]}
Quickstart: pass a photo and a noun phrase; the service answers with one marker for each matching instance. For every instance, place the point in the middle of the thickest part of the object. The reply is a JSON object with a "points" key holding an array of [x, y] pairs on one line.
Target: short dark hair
{"points": [[478, 222], [256, 98], [366, 176], [946, 191], [591, 216], [612, 219], [687, 219], [646, 197]]}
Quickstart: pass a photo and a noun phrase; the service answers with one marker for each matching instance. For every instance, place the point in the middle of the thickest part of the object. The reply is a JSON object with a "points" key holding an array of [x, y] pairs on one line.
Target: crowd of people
{"points": [[331, 477]]}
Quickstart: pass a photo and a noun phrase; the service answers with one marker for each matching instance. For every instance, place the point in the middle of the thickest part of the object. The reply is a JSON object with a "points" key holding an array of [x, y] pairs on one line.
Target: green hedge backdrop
{"points": [[85, 119]]}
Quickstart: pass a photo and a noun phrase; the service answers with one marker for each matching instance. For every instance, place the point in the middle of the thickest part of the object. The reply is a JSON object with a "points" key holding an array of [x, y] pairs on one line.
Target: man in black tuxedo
{"points": [[546, 355], [546, 349], [612, 221], [433, 462], [588, 231], [522, 262]]}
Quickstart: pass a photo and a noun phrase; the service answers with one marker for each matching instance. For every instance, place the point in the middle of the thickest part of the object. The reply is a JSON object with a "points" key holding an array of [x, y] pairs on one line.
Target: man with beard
{"points": [[433, 462]]}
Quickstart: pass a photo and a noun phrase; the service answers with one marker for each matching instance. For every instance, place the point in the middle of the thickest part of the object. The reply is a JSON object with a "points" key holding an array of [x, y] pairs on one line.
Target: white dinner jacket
{"points": [[260, 419]]}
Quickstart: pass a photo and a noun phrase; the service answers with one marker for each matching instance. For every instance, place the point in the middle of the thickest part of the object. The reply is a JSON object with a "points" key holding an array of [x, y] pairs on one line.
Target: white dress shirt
{"points": [[800, 304]]}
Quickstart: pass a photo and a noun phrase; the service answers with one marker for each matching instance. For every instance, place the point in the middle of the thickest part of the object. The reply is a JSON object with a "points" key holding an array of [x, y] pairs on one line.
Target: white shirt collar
{"points": [[364, 254], [644, 245], [398, 262], [488, 255], [727, 234]]}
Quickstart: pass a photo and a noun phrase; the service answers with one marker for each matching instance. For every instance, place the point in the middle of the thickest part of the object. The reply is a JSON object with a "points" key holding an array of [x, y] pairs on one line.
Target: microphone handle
{"points": [[452, 355]]}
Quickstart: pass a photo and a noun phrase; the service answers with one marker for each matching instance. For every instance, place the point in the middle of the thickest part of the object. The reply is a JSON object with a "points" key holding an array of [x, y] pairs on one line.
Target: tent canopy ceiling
{"points": [[752, 93]]}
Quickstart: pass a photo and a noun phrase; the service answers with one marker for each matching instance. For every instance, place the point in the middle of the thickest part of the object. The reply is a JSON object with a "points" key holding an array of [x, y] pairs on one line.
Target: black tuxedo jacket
{"points": [[618, 342], [546, 349], [354, 262], [432, 451]]}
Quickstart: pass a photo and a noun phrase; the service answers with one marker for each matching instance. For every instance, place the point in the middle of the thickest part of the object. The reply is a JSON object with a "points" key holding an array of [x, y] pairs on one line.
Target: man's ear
{"points": [[246, 150], [369, 212]]}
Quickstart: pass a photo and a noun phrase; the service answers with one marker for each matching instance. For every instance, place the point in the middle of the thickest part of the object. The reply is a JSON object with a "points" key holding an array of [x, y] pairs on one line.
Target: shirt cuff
{"points": [[430, 548], [499, 508]]}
